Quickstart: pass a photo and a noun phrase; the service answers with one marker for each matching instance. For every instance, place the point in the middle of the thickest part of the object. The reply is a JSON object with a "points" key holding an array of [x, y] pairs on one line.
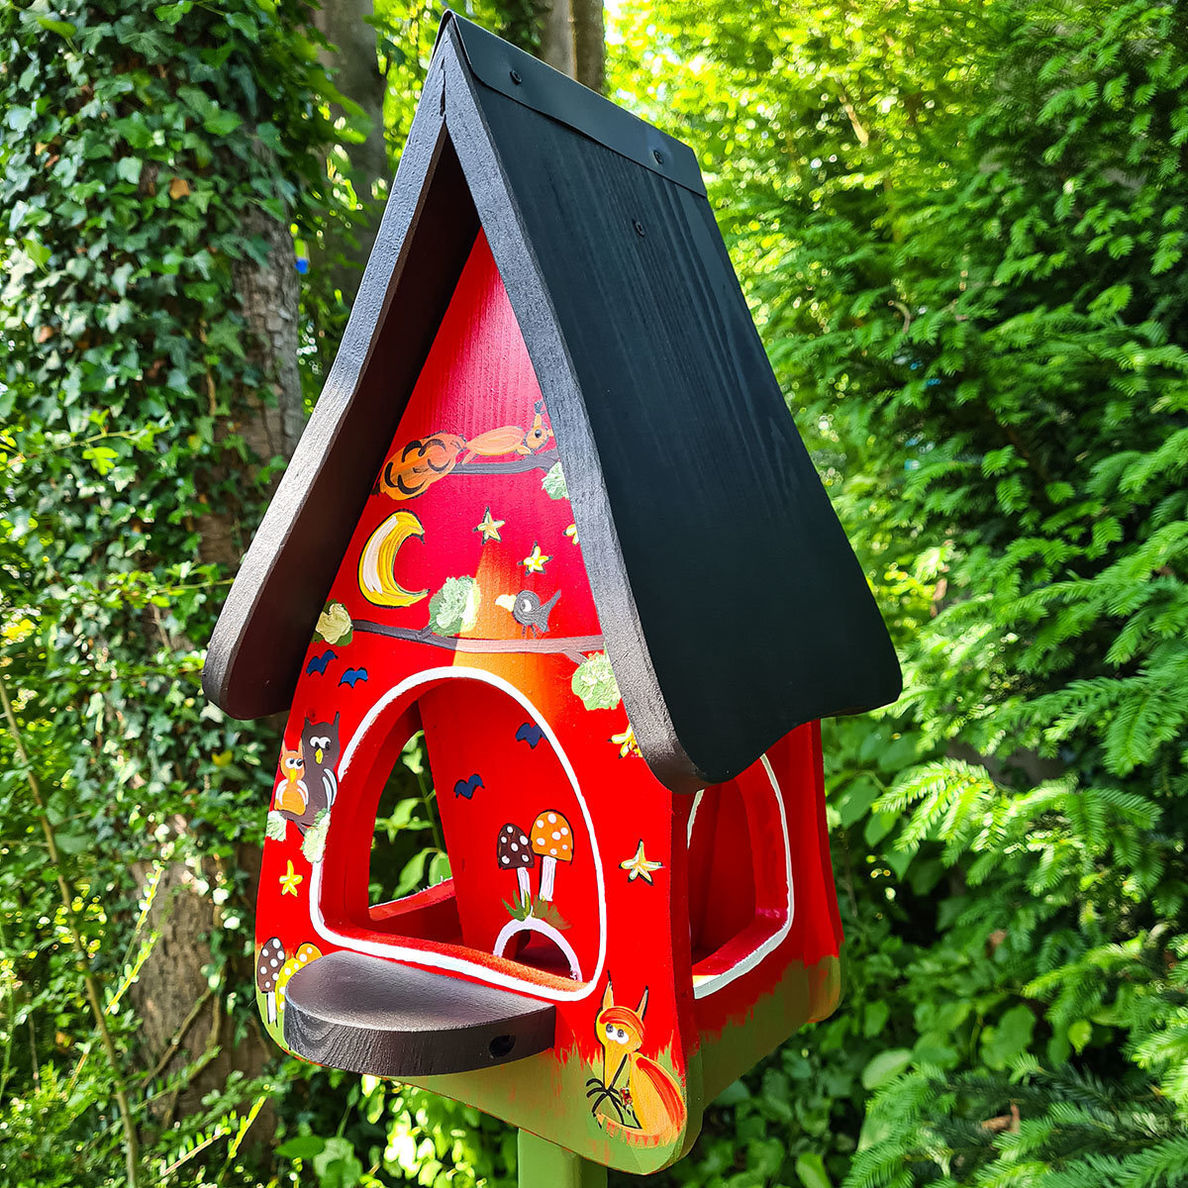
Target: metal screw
{"points": [[515, 77], [639, 228], [659, 156]]}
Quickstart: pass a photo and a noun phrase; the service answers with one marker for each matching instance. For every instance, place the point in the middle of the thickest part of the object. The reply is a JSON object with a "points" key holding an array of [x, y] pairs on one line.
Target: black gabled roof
{"points": [[731, 604]]}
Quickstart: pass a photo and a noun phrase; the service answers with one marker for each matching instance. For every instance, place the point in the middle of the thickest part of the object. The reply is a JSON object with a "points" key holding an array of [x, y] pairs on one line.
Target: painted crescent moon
{"points": [[377, 562]]}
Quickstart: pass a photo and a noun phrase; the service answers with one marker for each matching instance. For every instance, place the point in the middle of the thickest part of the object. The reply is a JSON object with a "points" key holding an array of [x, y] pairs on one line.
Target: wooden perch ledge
{"points": [[368, 1015]]}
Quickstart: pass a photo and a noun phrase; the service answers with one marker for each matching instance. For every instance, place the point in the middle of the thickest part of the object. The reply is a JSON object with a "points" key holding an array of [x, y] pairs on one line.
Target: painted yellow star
{"points": [[489, 527], [536, 560], [571, 532], [291, 880], [638, 866]]}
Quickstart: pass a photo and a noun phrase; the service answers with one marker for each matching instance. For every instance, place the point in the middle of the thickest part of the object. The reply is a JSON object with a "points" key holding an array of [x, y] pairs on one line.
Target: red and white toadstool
{"points": [[552, 839], [514, 852]]}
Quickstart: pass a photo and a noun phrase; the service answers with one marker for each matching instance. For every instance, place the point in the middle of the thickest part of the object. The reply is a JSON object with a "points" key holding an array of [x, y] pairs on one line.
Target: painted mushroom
{"points": [[515, 853], [304, 955], [268, 967], [552, 839]]}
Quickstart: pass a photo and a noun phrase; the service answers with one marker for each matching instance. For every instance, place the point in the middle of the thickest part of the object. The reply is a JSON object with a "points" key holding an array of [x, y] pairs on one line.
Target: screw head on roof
{"points": [[515, 77], [659, 156], [639, 228]]}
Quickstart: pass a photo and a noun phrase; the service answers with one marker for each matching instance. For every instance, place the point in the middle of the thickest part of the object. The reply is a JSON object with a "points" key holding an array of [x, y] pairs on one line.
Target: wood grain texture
{"points": [[368, 1015]]}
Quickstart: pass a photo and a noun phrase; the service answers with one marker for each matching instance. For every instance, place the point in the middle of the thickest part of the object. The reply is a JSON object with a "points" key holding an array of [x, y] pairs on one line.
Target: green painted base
{"points": [[545, 1165], [803, 996]]}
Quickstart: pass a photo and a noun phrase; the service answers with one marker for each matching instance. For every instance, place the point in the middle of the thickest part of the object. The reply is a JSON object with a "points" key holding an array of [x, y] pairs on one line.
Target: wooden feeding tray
{"points": [[368, 1015]]}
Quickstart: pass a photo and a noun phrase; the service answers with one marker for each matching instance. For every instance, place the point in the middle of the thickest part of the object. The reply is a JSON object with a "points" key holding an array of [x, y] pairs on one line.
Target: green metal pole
{"points": [[545, 1165]]}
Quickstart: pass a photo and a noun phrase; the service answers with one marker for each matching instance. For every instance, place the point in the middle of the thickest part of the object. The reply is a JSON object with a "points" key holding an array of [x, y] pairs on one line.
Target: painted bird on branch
{"points": [[528, 610]]}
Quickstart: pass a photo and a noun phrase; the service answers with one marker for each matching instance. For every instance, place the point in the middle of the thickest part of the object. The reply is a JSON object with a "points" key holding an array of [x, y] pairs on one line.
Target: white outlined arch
{"points": [[708, 984], [541, 928], [427, 957]]}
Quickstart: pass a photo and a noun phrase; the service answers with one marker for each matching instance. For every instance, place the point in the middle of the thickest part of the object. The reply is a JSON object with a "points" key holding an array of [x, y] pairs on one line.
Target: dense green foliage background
{"points": [[962, 228]]}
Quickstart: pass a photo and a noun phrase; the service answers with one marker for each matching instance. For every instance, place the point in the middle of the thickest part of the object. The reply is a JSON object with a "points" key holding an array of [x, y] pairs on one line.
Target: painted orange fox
{"points": [[645, 1098]]}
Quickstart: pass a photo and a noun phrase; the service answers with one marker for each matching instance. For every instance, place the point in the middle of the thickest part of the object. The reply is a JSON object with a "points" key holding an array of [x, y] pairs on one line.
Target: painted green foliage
{"points": [[594, 682], [454, 608]]}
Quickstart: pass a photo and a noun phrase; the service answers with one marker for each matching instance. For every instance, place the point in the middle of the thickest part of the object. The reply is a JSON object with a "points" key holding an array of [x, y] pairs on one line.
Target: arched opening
{"points": [[722, 883], [408, 851], [741, 893], [501, 807]]}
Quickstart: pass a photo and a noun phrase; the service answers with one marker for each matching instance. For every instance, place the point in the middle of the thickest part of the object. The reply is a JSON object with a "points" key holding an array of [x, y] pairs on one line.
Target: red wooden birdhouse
{"points": [[551, 511]]}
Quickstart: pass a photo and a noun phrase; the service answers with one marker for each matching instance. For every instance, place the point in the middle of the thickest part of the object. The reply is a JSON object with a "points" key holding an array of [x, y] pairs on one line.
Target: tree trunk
{"points": [[270, 423], [589, 37], [556, 37], [573, 39], [353, 67], [182, 1014]]}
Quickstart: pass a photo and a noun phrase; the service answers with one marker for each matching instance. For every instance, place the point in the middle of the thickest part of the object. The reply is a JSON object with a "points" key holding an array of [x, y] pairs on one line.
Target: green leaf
{"points": [[877, 826], [134, 130], [1080, 1033], [411, 874], [1009, 1038], [53, 25], [269, 135], [221, 122], [304, 1146], [72, 843], [810, 1170], [875, 1018], [128, 169], [884, 1067], [242, 23], [854, 803], [19, 118], [170, 14], [439, 868], [36, 251], [336, 1166]]}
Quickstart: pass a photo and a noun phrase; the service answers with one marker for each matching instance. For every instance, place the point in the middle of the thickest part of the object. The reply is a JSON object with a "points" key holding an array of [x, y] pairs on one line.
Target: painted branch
{"points": [[572, 646], [545, 461]]}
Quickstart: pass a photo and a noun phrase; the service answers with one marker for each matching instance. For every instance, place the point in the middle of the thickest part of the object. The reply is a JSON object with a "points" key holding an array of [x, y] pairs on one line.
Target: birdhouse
{"points": [[552, 514]]}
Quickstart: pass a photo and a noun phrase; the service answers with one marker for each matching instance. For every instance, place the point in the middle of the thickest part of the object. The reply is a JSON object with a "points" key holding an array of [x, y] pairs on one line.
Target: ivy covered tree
{"points": [[153, 164]]}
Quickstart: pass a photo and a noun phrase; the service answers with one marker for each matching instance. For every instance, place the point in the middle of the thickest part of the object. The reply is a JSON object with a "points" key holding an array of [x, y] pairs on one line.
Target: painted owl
{"points": [[320, 748]]}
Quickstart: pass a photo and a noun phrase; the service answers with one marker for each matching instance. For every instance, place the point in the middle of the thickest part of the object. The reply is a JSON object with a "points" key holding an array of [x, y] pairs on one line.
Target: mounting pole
{"points": [[545, 1165]]}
